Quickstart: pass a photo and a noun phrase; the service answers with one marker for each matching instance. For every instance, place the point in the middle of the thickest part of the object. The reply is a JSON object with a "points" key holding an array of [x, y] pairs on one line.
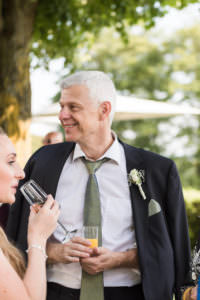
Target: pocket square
{"points": [[153, 208]]}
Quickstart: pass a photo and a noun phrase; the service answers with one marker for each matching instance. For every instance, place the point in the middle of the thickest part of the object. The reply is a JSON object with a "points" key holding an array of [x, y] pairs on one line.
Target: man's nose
{"points": [[64, 114]]}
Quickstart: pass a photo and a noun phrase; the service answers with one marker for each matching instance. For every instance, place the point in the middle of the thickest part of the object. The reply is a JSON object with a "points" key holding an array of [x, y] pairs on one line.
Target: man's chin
{"points": [[70, 138], [11, 200]]}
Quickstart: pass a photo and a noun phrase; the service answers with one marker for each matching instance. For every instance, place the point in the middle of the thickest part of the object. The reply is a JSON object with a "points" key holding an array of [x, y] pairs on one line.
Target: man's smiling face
{"points": [[79, 115]]}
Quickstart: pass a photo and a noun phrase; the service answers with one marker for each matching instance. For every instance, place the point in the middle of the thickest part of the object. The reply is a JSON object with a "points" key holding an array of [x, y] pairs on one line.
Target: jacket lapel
{"points": [[55, 167], [134, 160]]}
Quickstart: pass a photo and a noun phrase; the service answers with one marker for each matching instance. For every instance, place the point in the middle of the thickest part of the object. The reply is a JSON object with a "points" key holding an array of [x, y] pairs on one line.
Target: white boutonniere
{"points": [[137, 177]]}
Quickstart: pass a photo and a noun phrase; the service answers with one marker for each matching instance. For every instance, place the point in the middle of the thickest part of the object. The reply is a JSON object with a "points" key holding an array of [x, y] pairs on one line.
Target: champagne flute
{"points": [[33, 193]]}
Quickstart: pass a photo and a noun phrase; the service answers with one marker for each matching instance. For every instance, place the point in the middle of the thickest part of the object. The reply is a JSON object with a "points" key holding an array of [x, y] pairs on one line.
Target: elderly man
{"points": [[132, 195]]}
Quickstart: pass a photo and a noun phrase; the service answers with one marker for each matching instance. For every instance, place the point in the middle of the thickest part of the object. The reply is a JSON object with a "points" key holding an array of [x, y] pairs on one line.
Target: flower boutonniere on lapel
{"points": [[137, 177]]}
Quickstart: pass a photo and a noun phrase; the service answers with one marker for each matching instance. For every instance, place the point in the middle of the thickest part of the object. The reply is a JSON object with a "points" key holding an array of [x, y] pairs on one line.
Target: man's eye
{"points": [[73, 107]]}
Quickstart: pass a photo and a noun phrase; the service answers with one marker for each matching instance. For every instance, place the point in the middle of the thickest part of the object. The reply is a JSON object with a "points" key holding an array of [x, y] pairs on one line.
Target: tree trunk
{"points": [[16, 28]]}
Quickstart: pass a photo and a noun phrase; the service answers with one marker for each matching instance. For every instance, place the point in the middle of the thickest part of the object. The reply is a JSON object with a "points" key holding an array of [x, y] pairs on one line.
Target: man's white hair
{"points": [[100, 86]]}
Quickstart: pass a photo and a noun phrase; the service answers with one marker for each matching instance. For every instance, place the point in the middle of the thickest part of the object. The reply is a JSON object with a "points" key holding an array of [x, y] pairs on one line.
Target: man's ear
{"points": [[105, 109]]}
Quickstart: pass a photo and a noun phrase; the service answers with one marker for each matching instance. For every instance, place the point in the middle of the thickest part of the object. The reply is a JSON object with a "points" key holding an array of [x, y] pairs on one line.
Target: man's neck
{"points": [[98, 147]]}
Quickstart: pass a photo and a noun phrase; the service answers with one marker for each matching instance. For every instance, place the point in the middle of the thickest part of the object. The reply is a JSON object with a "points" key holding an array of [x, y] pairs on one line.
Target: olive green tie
{"points": [[92, 285]]}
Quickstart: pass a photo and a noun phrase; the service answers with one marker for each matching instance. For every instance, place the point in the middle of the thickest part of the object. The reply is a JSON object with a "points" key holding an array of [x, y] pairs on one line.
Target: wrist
{"points": [[37, 247], [36, 240], [117, 260], [127, 259], [52, 253]]}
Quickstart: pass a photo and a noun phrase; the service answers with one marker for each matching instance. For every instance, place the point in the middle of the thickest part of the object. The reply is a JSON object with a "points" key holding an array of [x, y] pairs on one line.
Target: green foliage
{"points": [[192, 198], [61, 26], [145, 133], [184, 49], [137, 67], [187, 170], [155, 71]]}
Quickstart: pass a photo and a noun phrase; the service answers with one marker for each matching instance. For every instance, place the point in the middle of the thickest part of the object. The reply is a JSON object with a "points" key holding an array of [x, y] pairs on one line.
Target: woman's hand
{"points": [[43, 221]]}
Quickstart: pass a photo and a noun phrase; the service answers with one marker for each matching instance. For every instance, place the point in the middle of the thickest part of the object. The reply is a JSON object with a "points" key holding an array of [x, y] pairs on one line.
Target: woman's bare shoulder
{"points": [[11, 286]]}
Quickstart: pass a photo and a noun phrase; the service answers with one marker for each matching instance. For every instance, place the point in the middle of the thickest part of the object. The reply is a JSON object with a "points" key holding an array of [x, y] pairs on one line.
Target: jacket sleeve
{"points": [[178, 230]]}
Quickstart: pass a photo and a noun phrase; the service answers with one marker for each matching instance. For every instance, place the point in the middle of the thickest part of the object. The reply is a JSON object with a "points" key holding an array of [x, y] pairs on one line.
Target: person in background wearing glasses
{"points": [[145, 249], [52, 137], [16, 281]]}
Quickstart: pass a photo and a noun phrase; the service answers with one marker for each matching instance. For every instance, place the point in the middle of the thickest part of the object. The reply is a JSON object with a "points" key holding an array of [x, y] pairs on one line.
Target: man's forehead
{"points": [[74, 92], [76, 89]]}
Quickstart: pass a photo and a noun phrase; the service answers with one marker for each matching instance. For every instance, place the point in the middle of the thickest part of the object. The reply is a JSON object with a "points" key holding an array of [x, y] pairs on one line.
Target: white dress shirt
{"points": [[117, 221]]}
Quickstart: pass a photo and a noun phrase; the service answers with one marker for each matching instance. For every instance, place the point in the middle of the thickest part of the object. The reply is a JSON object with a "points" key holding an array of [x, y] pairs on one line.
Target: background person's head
{"points": [[10, 171], [100, 86], [52, 137]]}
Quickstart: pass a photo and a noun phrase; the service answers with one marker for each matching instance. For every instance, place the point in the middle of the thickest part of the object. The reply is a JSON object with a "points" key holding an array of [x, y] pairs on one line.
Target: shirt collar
{"points": [[112, 153]]}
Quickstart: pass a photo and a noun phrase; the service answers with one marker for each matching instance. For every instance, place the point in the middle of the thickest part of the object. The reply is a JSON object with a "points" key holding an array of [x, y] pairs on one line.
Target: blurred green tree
{"points": [[160, 71], [184, 58], [137, 67], [50, 29]]}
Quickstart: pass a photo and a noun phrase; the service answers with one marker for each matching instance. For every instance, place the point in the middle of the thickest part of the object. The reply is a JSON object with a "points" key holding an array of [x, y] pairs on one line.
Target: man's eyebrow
{"points": [[69, 103]]}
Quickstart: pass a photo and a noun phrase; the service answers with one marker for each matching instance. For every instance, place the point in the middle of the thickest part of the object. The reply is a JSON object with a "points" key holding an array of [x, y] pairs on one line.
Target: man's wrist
{"points": [[51, 252], [127, 259]]}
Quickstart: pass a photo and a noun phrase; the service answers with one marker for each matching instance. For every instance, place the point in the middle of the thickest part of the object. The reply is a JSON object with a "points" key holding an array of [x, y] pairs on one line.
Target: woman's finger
{"points": [[32, 212], [36, 207], [49, 202], [56, 205]]}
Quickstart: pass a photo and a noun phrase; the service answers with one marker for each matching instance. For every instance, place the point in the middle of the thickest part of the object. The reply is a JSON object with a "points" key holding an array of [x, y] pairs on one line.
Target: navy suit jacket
{"points": [[162, 238]]}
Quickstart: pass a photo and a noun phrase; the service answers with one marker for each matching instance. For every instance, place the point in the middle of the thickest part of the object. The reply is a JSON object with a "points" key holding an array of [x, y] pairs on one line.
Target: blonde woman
{"points": [[18, 283]]}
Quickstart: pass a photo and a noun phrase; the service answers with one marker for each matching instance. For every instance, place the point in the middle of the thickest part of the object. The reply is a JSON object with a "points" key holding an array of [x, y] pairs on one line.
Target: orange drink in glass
{"points": [[94, 243], [91, 234]]}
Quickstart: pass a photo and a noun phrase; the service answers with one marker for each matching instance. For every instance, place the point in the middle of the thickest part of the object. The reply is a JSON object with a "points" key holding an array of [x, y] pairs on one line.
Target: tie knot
{"points": [[93, 166]]}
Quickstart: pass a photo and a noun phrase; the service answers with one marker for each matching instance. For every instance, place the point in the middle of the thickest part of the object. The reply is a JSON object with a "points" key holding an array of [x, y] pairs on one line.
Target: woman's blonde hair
{"points": [[2, 132], [13, 255]]}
